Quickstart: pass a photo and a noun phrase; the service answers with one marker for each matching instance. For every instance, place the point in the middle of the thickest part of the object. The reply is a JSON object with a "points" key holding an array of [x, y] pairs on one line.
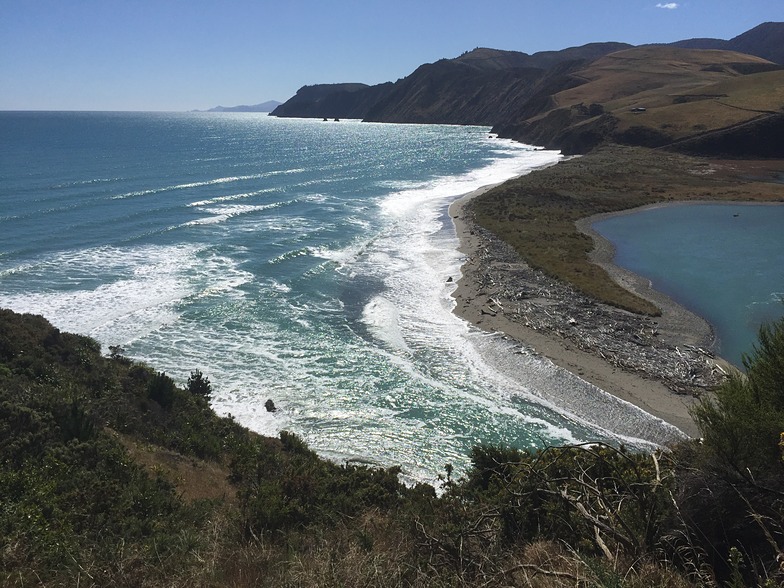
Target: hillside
{"points": [[577, 98], [475, 88], [112, 475], [658, 96], [763, 41]]}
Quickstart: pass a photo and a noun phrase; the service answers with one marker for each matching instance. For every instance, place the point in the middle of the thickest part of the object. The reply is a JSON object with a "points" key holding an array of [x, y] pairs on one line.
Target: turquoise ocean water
{"points": [[725, 262], [295, 260]]}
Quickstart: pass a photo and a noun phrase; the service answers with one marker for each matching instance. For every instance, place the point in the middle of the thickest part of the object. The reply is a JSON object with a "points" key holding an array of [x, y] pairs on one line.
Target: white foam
{"points": [[520, 160], [232, 197], [221, 214], [416, 259], [213, 182], [139, 291], [381, 318], [278, 287]]}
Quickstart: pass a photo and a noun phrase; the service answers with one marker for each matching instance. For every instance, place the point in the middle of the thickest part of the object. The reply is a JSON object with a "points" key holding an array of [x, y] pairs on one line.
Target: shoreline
{"points": [[676, 323], [491, 275]]}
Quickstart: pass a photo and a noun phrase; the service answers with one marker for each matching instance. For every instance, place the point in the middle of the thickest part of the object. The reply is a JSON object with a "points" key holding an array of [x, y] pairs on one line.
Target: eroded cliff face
{"points": [[483, 86], [700, 96]]}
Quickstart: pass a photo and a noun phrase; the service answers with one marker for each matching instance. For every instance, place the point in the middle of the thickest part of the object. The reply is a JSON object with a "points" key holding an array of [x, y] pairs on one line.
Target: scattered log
{"points": [[625, 340]]}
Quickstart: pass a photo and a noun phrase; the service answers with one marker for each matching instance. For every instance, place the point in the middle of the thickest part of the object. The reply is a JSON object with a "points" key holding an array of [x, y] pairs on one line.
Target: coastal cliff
{"points": [[691, 95], [479, 87]]}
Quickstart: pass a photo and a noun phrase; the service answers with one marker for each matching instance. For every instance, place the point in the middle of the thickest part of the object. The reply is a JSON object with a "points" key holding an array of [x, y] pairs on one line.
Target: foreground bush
{"points": [[732, 488], [112, 475]]}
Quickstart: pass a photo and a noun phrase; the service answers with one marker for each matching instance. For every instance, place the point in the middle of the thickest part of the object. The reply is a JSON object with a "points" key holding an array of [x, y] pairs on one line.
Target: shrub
{"points": [[162, 390], [742, 424], [200, 386], [730, 485]]}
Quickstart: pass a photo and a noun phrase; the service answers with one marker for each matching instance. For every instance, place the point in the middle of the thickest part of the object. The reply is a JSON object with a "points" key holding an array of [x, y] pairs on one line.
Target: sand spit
{"points": [[655, 363]]}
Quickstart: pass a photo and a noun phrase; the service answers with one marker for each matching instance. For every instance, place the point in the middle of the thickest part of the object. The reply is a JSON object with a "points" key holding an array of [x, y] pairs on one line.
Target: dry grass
{"points": [[653, 74], [732, 101], [684, 92], [194, 479]]}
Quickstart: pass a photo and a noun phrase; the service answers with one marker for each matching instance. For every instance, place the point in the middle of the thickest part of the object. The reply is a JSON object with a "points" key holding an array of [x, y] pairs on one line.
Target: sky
{"points": [[175, 55]]}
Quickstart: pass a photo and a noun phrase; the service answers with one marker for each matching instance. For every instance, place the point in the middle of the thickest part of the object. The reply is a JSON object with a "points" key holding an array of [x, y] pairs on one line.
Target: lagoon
{"points": [[725, 262]]}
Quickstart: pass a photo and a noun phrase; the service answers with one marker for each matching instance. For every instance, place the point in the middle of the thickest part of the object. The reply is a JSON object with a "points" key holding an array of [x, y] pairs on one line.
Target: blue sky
{"points": [[195, 54]]}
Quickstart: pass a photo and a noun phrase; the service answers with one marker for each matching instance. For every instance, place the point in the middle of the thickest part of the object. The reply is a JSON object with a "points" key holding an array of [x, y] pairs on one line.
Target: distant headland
{"points": [[267, 106]]}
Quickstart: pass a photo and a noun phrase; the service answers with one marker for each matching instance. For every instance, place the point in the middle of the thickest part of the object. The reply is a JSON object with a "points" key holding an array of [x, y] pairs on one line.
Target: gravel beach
{"points": [[651, 362]]}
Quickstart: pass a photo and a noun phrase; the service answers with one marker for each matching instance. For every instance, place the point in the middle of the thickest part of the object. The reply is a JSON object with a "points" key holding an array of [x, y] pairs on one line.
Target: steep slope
{"points": [[580, 97], [322, 100], [765, 40], [479, 87], [454, 93], [654, 96]]}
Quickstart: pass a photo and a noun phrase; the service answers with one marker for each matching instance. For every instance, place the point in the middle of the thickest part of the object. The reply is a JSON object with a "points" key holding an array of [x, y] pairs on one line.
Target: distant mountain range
{"points": [[268, 106], [680, 94]]}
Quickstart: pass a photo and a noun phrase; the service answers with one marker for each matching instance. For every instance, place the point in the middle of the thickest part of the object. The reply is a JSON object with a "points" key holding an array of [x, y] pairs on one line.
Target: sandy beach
{"points": [[482, 306]]}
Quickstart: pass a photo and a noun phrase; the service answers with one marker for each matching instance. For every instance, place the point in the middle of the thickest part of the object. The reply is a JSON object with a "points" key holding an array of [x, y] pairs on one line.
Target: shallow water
{"points": [[725, 262], [293, 260]]}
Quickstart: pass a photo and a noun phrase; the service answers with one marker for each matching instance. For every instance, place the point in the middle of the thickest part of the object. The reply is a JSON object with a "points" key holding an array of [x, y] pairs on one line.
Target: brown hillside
{"points": [[652, 75], [658, 95]]}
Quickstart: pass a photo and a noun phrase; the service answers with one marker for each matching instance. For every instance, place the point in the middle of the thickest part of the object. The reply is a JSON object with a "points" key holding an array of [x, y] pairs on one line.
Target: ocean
{"points": [[722, 261], [301, 261]]}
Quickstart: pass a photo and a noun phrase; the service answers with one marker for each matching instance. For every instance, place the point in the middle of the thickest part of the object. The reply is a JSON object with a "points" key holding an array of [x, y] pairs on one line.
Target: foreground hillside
{"points": [[112, 475]]}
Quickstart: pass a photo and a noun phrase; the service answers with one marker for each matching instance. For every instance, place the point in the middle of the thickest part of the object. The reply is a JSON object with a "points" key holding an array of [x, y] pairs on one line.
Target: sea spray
{"points": [[288, 260]]}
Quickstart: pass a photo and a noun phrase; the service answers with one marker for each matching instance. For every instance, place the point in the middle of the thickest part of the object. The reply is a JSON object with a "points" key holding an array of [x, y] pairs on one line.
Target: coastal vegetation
{"points": [[113, 475], [536, 213]]}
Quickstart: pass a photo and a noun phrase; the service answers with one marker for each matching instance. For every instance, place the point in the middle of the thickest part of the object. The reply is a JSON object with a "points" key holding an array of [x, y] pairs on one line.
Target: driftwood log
{"points": [[628, 341]]}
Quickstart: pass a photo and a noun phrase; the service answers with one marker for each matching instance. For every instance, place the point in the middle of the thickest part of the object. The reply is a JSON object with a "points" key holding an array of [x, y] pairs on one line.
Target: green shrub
{"points": [[743, 422], [162, 390], [199, 386], [730, 484]]}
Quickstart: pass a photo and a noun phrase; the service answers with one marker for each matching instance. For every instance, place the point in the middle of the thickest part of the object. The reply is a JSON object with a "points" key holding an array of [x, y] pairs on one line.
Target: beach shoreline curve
{"points": [[481, 304]]}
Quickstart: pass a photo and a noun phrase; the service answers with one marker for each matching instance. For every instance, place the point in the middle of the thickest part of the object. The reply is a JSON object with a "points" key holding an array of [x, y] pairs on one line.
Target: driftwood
{"points": [[626, 340]]}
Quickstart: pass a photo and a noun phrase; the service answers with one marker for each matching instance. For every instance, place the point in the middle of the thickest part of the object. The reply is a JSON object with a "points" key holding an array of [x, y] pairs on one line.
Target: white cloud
{"points": [[668, 6]]}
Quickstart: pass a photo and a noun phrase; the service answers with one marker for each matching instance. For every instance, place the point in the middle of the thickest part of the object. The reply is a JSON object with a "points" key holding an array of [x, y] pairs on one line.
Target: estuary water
{"points": [[301, 261], [724, 262]]}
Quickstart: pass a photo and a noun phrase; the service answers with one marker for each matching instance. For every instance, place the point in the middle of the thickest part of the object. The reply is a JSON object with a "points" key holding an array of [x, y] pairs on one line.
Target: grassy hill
{"points": [[656, 96]]}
